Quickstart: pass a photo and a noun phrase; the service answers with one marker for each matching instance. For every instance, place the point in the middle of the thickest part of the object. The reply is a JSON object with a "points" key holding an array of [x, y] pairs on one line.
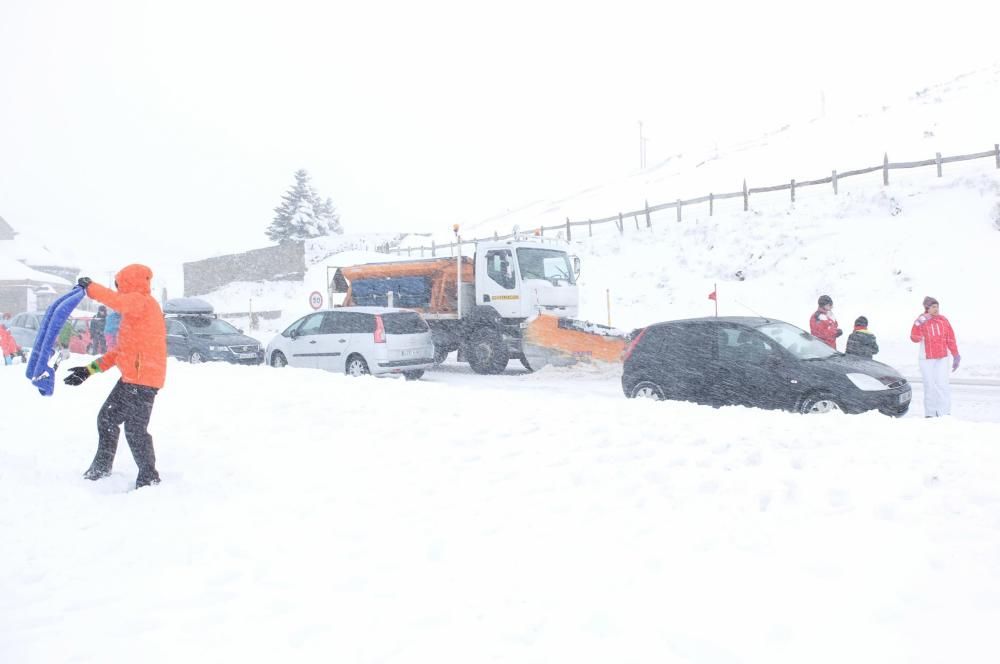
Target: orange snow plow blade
{"points": [[563, 342]]}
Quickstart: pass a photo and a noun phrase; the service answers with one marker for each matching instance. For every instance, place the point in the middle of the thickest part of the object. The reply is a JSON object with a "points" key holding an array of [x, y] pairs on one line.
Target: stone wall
{"points": [[285, 262]]}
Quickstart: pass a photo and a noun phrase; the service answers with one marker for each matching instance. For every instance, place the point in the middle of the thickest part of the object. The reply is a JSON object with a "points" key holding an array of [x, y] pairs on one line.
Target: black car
{"points": [[203, 338], [756, 362]]}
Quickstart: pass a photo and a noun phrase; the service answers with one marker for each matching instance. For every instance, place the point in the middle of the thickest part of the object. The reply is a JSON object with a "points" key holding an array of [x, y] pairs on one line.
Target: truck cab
{"points": [[520, 279]]}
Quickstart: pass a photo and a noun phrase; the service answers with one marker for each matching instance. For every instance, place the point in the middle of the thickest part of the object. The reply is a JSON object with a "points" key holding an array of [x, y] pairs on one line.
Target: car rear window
{"points": [[406, 322]]}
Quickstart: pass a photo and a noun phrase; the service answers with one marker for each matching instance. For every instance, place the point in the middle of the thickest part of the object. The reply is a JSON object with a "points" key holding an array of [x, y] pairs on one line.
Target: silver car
{"points": [[356, 341]]}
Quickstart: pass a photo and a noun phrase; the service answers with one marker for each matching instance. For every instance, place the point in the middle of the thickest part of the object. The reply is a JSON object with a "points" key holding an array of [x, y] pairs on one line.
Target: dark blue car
{"points": [[196, 335], [756, 362]]}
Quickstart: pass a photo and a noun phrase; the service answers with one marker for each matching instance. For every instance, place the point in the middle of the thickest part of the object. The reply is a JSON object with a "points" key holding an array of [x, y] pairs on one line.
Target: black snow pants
{"points": [[132, 406]]}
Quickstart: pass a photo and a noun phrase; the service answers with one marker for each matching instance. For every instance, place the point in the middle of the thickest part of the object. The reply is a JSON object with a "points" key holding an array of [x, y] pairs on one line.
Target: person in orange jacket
{"points": [[823, 324], [141, 356], [937, 339]]}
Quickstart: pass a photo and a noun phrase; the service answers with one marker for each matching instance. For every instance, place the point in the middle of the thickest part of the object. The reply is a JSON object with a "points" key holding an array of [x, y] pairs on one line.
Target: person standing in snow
{"points": [[98, 345], [936, 338], [861, 342], [141, 356], [111, 324], [8, 346], [823, 324]]}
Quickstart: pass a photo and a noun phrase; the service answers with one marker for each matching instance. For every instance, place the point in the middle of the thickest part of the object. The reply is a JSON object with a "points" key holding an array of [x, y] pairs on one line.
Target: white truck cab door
{"points": [[497, 282]]}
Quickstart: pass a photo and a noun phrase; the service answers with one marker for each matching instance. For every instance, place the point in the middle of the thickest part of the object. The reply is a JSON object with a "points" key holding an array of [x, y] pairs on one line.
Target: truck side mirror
{"points": [[576, 266]]}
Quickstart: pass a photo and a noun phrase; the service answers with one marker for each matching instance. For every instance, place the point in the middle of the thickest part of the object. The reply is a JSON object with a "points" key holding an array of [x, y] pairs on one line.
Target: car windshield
{"points": [[200, 325], [548, 264], [799, 343]]}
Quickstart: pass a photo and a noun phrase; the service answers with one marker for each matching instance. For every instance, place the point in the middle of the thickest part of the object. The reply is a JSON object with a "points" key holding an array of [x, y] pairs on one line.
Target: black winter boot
{"points": [[96, 472], [147, 479]]}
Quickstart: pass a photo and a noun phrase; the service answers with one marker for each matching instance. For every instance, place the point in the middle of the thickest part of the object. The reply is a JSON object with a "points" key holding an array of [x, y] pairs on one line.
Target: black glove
{"points": [[77, 375], [839, 331], [83, 282]]}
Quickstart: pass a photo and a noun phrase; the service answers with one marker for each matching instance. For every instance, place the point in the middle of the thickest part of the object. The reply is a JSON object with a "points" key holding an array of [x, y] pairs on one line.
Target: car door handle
{"points": [[343, 341]]}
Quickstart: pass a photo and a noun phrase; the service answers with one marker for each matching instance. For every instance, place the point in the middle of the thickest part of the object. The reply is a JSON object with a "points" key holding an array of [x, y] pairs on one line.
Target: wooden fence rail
{"points": [[745, 193]]}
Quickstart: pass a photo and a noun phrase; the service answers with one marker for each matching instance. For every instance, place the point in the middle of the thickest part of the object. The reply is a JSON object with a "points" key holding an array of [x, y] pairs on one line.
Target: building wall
{"points": [[285, 262], [13, 299]]}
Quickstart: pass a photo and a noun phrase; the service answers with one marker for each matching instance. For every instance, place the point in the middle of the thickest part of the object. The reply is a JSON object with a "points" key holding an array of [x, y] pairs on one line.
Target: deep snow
{"points": [[310, 517]]}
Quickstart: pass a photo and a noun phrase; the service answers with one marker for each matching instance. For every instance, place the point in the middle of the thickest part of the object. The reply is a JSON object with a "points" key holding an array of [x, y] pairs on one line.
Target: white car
{"points": [[356, 341]]}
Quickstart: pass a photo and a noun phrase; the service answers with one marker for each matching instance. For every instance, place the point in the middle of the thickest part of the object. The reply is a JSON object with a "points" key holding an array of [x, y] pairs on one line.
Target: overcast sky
{"points": [[168, 131]]}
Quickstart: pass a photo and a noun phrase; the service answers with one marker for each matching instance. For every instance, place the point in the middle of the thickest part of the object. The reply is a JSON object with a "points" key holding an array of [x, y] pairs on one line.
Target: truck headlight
{"points": [[866, 383]]}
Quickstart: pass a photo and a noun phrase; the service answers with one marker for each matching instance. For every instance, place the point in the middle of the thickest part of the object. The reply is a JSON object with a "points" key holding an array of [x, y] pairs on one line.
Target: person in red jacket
{"points": [[141, 356], [823, 324], [8, 346], [937, 339]]}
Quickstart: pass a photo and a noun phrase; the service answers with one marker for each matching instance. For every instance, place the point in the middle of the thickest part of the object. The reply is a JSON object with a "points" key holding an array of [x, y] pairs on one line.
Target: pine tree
{"points": [[302, 214]]}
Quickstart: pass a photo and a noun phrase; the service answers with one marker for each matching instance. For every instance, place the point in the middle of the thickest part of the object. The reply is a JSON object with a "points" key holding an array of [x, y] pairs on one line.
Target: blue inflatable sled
{"points": [[39, 372]]}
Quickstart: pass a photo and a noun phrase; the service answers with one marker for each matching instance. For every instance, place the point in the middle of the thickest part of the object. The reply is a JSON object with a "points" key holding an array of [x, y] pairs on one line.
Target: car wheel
{"points": [[356, 366], [647, 390], [196, 357], [278, 359], [821, 402], [487, 352], [413, 375]]}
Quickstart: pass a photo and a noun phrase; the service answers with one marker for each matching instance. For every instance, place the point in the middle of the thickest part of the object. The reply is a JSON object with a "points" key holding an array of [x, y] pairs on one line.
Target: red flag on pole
{"points": [[712, 296]]}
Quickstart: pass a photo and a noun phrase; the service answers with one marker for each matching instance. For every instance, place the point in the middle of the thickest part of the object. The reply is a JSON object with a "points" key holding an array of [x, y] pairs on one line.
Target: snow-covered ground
{"points": [[311, 517]]}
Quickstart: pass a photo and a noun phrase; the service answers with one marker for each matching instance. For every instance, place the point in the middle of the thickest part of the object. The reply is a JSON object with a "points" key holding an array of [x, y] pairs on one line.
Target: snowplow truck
{"points": [[514, 299]]}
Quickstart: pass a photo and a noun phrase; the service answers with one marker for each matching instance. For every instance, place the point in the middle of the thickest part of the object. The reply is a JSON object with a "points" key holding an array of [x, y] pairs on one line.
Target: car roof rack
{"points": [[188, 306]]}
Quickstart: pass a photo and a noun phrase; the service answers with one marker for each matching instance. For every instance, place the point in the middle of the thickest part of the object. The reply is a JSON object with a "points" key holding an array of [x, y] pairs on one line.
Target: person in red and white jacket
{"points": [[823, 324], [937, 339]]}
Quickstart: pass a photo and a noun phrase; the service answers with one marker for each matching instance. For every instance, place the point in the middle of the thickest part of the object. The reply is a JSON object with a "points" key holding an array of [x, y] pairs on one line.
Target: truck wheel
{"points": [[440, 354], [487, 352]]}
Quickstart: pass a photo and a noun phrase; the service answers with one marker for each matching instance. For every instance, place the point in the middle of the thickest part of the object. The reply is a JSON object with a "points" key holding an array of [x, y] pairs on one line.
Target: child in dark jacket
{"points": [[861, 342]]}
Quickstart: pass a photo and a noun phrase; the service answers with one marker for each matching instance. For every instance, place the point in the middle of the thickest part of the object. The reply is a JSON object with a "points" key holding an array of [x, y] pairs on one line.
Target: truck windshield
{"points": [[548, 264]]}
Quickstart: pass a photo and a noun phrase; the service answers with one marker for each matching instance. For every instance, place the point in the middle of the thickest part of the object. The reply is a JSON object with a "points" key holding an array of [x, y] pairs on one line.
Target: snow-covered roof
{"points": [[13, 270]]}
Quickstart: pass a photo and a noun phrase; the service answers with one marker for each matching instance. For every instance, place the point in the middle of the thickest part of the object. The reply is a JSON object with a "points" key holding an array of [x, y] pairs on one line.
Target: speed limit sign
{"points": [[315, 299]]}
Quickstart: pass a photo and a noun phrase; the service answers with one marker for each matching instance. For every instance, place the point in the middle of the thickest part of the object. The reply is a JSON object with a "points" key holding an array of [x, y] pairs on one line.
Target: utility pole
{"points": [[642, 147]]}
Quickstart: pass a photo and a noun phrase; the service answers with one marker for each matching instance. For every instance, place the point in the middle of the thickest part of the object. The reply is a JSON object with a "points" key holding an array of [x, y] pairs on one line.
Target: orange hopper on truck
{"points": [[517, 299]]}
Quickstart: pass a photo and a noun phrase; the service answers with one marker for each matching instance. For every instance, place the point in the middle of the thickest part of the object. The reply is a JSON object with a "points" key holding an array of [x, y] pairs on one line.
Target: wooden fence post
{"points": [[590, 228], [711, 204], [746, 197], [649, 223], [408, 251], [678, 210], [996, 151], [937, 157], [621, 224], [433, 248], [793, 190], [496, 236], [885, 170], [569, 233], [636, 218], [421, 251], [834, 180]]}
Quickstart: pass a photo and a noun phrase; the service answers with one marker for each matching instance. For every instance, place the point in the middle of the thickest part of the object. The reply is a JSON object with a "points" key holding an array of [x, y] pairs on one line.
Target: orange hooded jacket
{"points": [[141, 354]]}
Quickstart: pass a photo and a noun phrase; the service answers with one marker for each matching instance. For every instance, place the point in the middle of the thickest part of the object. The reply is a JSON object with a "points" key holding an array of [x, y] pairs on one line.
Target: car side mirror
{"points": [[293, 334], [240, 330]]}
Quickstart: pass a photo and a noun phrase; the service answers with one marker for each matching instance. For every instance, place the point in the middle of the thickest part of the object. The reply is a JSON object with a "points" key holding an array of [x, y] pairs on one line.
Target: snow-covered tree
{"points": [[302, 214]]}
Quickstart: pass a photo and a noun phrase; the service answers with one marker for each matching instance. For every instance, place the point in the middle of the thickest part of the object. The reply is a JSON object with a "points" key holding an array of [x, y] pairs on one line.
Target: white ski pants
{"points": [[937, 391]]}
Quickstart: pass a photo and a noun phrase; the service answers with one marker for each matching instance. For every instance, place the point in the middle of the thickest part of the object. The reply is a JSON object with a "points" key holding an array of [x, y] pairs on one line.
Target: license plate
{"points": [[408, 353], [246, 356], [904, 398]]}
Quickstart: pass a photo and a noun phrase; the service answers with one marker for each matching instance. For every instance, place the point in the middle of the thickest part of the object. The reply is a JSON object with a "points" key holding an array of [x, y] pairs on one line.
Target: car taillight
{"points": [[379, 330], [631, 346]]}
